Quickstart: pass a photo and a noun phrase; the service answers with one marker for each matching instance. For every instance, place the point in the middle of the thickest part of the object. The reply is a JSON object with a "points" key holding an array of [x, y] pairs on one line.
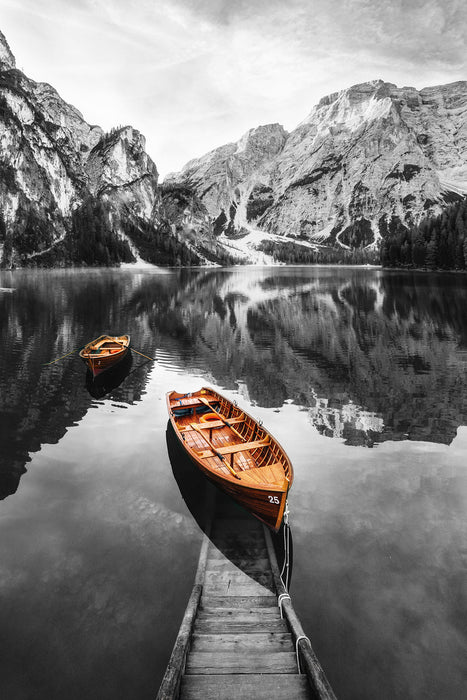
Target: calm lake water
{"points": [[362, 376]]}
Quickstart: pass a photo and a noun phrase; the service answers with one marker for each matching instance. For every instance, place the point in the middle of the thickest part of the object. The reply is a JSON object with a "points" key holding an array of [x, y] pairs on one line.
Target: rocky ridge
{"points": [[72, 194], [366, 159]]}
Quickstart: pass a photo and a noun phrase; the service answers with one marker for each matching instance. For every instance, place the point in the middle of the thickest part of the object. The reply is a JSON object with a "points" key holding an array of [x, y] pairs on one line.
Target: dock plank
{"points": [[269, 641], [209, 662], [256, 687], [261, 613], [257, 618], [244, 565], [239, 601], [238, 627], [264, 578]]}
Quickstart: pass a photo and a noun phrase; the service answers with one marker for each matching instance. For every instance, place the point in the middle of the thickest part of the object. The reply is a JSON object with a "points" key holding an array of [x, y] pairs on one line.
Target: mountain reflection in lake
{"points": [[98, 546]]}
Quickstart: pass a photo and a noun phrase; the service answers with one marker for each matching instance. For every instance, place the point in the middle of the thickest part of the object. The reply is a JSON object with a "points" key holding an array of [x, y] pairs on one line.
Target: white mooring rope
{"points": [[283, 596], [302, 636], [286, 564]]}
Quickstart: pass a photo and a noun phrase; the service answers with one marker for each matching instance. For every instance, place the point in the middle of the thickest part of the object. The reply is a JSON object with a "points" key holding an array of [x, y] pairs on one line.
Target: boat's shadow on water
{"points": [[217, 514], [109, 380]]}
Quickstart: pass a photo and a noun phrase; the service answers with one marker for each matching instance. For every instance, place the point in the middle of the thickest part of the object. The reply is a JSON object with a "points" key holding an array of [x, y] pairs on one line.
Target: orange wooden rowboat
{"points": [[234, 451], [105, 352]]}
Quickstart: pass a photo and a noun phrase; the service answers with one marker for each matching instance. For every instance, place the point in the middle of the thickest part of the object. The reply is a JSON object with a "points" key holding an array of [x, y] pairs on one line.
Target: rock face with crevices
{"points": [[72, 194], [365, 159]]}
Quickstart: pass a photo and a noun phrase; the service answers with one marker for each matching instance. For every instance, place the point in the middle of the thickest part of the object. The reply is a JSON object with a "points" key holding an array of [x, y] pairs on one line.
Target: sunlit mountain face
{"points": [[369, 355]]}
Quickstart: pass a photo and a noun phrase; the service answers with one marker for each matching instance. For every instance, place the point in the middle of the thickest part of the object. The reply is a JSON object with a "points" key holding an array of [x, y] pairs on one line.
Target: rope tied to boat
{"points": [[283, 596], [297, 653], [286, 534]]}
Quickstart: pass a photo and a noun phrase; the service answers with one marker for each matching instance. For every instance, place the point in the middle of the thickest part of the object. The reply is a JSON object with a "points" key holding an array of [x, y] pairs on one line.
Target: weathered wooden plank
{"points": [[240, 601], [238, 627], [256, 618], [246, 565], [232, 553], [238, 577], [237, 589], [203, 662], [266, 641], [235, 573], [268, 613], [240, 581], [242, 447], [256, 687]]}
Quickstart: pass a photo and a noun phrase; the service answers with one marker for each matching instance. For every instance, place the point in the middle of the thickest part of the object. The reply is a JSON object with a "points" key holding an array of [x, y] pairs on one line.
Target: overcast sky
{"points": [[192, 75]]}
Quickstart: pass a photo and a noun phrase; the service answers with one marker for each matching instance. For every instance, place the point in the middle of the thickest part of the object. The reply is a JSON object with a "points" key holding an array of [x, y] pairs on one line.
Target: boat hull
{"points": [[98, 363], [256, 501], [105, 382], [266, 501]]}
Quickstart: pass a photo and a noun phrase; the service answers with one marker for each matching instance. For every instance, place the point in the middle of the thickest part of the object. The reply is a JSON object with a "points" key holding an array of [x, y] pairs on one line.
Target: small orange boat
{"points": [[105, 352], [234, 451]]}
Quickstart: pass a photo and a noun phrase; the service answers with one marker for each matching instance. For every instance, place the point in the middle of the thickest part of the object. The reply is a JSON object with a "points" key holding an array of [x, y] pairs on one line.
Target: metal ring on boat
{"points": [[207, 417]]}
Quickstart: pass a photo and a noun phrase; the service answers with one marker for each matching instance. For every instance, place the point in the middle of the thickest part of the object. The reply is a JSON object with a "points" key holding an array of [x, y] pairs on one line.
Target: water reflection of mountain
{"points": [[371, 355]]}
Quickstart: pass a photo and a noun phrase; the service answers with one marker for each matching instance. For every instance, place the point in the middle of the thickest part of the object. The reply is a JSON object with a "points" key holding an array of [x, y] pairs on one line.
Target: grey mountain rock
{"points": [[364, 158], [71, 194]]}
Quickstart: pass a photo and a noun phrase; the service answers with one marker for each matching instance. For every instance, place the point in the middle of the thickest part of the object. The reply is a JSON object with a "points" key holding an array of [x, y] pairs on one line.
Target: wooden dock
{"points": [[240, 636]]}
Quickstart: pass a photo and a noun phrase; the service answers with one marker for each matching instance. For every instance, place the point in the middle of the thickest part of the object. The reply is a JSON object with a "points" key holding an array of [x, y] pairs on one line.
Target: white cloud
{"points": [[194, 74]]}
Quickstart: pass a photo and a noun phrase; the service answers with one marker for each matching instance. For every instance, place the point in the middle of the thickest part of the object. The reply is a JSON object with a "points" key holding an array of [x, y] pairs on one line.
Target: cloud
{"points": [[187, 72]]}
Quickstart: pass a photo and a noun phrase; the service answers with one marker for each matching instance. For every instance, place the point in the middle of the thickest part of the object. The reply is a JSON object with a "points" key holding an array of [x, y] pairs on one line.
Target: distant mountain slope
{"points": [[71, 194], [366, 159]]}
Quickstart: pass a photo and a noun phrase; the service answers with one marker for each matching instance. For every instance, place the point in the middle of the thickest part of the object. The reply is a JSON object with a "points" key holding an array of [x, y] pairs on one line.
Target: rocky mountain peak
{"points": [[358, 93], [269, 137], [366, 159], [7, 60], [119, 159]]}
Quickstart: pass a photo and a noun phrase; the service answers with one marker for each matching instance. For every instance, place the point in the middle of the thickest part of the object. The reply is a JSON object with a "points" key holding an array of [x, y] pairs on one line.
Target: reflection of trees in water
{"points": [[46, 317], [372, 355]]}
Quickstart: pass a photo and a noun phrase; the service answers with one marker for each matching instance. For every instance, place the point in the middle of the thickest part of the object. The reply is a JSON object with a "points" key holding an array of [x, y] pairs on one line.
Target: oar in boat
{"points": [[222, 418], [45, 364], [213, 448]]}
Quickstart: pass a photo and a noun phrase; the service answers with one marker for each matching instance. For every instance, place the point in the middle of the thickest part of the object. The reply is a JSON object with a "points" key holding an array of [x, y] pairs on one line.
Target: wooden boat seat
{"points": [[212, 424], [184, 403], [231, 449]]}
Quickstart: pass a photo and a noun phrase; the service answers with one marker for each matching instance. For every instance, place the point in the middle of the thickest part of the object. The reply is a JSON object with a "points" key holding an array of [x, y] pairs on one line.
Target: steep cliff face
{"points": [[232, 181], [365, 159], [71, 194], [7, 60]]}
